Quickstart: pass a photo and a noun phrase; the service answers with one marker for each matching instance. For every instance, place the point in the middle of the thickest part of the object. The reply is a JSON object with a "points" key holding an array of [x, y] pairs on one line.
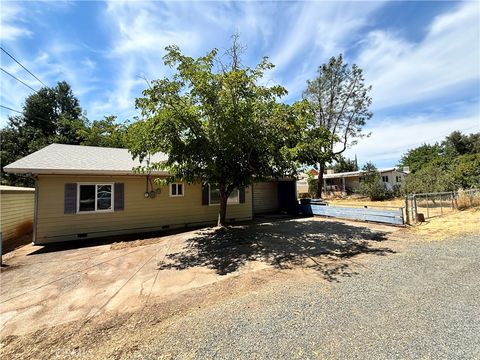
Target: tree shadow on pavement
{"points": [[323, 246]]}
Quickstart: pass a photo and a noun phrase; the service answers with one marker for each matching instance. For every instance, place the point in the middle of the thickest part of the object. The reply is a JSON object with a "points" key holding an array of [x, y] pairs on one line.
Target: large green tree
{"points": [[432, 177], [314, 144], [49, 115], [452, 164], [217, 121], [457, 144], [343, 164], [421, 156], [341, 103], [106, 132]]}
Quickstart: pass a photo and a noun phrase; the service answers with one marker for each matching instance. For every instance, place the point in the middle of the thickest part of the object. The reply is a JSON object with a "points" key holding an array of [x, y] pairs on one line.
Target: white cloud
{"points": [[12, 22], [141, 31], [404, 72], [318, 31]]}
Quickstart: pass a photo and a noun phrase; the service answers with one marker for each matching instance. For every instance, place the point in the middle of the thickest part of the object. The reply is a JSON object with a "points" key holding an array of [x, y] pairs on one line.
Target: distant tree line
{"points": [[449, 165]]}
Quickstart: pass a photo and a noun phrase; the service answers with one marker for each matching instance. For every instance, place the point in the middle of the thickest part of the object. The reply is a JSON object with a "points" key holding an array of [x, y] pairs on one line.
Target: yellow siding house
{"points": [[16, 211], [87, 192]]}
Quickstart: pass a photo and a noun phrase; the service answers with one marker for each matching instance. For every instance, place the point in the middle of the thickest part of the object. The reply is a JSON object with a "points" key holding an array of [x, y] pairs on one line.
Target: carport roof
{"points": [[78, 159], [356, 173]]}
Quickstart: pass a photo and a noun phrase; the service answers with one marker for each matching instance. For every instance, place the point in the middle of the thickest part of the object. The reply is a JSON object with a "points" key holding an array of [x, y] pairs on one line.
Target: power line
{"points": [[6, 107], [19, 63], [20, 112], [13, 76]]}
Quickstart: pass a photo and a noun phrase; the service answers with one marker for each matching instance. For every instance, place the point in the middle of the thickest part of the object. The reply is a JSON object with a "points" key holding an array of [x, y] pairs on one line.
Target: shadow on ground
{"points": [[323, 246]]}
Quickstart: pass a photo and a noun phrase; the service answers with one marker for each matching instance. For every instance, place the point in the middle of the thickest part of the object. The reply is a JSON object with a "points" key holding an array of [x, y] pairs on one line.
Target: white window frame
{"points": [[176, 184], [112, 200], [385, 177], [229, 202]]}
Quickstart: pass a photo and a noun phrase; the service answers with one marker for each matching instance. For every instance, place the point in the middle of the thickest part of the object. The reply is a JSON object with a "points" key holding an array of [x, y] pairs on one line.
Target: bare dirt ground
{"points": [[109, 300]]}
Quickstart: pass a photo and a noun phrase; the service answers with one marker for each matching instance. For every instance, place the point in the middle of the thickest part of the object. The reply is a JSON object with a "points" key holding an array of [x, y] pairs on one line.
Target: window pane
{"points": [[214, 194], [174, 189], [179, 189], [233, 198], [104, 197], [87, 198]]}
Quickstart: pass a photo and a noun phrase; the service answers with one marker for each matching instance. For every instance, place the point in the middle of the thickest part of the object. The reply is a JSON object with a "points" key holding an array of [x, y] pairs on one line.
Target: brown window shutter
{"points": [[119, 197], [242, 195], [70, 199], [205, 194]]}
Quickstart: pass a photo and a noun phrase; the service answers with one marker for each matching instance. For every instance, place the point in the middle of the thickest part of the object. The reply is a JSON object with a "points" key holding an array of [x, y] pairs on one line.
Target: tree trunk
{"points": [[222, 213], [320, 180]]}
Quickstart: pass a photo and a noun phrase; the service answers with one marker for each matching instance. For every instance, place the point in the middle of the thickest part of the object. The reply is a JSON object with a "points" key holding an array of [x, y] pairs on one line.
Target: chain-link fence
{"points": [[419, 207]]}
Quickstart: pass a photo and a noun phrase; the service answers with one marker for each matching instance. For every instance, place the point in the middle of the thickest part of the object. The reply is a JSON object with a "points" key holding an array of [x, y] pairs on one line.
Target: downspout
{"points": [[253, 202], [35, 210]]}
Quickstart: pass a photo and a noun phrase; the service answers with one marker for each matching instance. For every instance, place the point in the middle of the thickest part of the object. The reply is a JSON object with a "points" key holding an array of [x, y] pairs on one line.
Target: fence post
{"points": [[406, 210], [414, 200], [428, 213], [414, 219], [441, 205]]}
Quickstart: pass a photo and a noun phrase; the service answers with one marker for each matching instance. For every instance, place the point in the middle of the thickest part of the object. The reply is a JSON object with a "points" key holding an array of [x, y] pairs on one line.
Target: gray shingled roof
{"points": [[77, 159]]}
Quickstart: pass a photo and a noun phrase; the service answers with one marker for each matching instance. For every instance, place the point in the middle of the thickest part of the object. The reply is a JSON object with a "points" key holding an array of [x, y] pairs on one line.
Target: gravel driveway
{"points": [[424, 303], [301, 288]]}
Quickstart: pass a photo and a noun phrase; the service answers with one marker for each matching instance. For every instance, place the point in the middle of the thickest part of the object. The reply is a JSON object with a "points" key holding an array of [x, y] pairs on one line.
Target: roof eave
{"points": [[13, 170]]}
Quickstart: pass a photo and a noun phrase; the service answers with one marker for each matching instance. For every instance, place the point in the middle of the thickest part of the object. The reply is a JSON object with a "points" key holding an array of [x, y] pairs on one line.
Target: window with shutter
{"points": [[95, 198], [242, 195], [205, 194], [214, 196], [119, 196], [70, 199]]}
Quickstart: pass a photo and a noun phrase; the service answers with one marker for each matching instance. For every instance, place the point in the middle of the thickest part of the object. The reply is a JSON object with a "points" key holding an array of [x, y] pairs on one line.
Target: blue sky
{"points": [[422, 58]]}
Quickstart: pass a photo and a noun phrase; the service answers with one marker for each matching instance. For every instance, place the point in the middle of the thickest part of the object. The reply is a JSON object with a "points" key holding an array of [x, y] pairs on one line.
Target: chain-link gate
{"points": [[419, 207]]}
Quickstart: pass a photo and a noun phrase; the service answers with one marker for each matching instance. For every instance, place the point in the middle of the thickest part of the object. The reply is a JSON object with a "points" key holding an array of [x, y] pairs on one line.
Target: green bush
{"points": [[372, 184], [442, 175], [465, 171], [453, 164], [434, 177]]}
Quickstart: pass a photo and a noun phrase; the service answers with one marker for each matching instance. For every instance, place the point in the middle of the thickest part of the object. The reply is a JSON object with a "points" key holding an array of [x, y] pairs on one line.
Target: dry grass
{"points": [[357, 201], [467, 200], [453, 225]]}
